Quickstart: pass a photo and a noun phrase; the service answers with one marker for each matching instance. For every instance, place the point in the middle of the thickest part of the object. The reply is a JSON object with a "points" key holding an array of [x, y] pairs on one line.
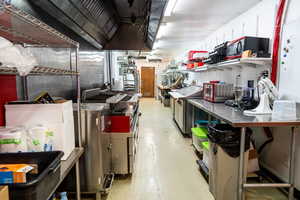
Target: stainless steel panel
{"points": [[92, 168], [91, 68]]}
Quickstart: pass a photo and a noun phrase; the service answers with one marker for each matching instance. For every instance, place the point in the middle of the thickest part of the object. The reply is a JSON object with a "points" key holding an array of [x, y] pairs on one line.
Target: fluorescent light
{"points": [[170, 7], [155, 45], [162, 30]]}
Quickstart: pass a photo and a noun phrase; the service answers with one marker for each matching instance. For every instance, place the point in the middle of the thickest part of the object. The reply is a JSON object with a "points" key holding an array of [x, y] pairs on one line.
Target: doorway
{"points": [[147, 81]]}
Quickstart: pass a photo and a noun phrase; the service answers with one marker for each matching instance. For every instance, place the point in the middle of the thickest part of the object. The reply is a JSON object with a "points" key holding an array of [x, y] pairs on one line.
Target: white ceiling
{"points": [[191, 21]]}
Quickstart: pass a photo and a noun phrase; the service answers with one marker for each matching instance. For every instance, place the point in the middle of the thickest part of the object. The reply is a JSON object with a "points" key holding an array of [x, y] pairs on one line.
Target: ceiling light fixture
{"points": [[162, 30], [170, 7]]}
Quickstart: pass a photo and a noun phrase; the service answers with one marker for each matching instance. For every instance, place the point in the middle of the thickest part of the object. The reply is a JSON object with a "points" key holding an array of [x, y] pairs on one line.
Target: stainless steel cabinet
{"points": [[183, 115], [95, 166], [123, 149]]}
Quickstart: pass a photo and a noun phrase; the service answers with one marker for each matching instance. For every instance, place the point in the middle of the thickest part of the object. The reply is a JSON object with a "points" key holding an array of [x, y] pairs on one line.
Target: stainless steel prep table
{"points": [[236, 118]]}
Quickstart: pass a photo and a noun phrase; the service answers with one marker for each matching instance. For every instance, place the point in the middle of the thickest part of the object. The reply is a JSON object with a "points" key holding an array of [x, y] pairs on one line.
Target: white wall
{"points": [[276, 155], [259, 21]]}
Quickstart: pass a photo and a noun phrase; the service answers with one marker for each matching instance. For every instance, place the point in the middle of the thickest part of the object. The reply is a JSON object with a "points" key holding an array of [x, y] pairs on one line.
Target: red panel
{"points": [[277, 38], [117, 124], [8, 92]]}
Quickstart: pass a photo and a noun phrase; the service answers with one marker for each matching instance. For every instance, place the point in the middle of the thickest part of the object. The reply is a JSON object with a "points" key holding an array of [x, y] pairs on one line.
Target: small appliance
{"points": [[216, 91], [258, 46], [218, 55]]}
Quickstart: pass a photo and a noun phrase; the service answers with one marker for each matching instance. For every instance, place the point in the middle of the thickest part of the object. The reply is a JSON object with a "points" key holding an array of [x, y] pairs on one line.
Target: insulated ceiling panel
{"points": [[194, 20]]}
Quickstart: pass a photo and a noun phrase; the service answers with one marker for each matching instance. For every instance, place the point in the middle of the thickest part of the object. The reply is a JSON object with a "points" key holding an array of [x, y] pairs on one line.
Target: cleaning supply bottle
{"points": [[63, 196]]}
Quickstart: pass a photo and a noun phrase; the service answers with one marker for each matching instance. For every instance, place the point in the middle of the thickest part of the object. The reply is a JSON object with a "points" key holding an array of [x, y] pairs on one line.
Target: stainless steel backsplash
{"points": [[91, 68]]}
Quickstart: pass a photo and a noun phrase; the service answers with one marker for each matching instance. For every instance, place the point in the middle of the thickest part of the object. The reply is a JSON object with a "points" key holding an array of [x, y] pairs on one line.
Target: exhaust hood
{"points": [[101, 24]]}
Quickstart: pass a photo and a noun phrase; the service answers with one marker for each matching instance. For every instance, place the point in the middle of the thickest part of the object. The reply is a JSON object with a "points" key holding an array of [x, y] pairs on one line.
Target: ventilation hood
{"points": [[101, 24]]}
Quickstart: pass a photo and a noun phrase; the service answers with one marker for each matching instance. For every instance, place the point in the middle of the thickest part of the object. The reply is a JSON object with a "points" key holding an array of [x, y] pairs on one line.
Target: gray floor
{"points": [[165, 168]]}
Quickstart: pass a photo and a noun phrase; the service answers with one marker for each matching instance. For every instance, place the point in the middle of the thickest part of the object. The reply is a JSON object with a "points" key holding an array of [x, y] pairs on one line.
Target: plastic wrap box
{"points": [[57, 117]]}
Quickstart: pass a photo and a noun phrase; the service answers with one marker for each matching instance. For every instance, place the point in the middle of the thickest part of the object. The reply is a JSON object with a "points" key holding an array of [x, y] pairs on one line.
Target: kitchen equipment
{"points": [[258, 46], [268, 94], [182, 109], [243, 97], [119, 128], [218, 55], [217, 92], [95, 168]]}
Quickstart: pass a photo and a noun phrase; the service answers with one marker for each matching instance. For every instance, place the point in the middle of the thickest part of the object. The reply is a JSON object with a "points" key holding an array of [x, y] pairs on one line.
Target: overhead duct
{"points": [[103, 24]]}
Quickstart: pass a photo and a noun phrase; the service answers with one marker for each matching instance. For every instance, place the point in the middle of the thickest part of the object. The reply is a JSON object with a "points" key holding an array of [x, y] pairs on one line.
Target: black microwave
{"points": [[258, 46]]}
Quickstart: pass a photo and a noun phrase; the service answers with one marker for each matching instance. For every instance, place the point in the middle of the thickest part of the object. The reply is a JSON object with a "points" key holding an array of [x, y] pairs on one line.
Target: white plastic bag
{"points": [[5, 43], [13, 140], [16, 56], [39, 139]]}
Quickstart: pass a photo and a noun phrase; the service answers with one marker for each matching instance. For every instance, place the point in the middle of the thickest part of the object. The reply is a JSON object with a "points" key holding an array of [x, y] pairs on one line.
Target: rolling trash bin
{"points": [[228, 138]]}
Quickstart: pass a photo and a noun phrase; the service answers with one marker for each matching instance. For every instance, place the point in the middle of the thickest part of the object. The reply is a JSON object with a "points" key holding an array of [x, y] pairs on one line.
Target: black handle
{"points": [[239, 48], [54, 167]]}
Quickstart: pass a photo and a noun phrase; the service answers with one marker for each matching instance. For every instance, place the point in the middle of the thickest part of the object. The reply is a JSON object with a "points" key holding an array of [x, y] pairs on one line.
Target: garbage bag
{"points": [[228, 138], [16, 56]]}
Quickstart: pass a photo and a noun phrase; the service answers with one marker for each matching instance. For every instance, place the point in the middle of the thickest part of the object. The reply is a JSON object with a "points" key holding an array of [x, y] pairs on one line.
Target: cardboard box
{"points": [[14, 173], [4, 193], [57, 117]]}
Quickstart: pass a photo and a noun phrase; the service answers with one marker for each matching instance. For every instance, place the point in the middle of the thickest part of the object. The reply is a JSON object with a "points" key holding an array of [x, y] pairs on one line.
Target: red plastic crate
{"points": [[197, 55]]}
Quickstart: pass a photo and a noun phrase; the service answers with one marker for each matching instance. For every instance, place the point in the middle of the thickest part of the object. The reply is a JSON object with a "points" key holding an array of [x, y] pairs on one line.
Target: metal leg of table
{"points": [[241, 166], [78, 193], [193, 116], [292, 164], [209, 119]]}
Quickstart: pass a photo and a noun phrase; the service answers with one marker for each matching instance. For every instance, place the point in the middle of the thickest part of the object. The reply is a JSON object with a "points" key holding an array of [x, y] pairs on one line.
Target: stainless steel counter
{"points": [[236, 118]]}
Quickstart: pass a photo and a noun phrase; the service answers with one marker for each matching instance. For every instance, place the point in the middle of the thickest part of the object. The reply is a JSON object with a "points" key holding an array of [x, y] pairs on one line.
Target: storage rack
{"points": [[22, 28], [240, 62]]}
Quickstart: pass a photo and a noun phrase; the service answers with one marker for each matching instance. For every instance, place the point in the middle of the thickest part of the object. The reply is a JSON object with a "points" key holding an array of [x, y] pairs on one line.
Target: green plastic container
{"points": [[200, 132], [205, 145], [199, 136]]}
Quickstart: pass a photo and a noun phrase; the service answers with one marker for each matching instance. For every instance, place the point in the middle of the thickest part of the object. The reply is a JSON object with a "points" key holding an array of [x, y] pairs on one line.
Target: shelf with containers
{"points": [[22, 28]]}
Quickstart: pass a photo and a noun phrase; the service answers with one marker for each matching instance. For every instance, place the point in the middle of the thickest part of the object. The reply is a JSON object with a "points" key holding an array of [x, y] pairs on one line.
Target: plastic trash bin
{"points": [[228, 138], [38, 186]]}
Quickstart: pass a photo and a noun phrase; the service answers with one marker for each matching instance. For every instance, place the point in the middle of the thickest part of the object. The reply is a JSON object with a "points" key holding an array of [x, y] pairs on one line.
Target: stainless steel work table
{"points": [[67, 165], [236, 118]]}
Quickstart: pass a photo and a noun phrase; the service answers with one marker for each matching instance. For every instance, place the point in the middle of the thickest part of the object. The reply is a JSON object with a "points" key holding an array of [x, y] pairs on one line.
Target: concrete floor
{"points": [[165, 168]]}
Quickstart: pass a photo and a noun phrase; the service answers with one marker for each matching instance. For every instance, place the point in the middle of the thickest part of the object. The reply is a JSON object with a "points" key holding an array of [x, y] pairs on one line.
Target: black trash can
{"points": [[228, 138]]}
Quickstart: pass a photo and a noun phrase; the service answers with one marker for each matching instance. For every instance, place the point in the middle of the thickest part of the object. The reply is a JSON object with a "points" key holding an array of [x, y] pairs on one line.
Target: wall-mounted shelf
{"points": [[236, 63], [39, 70], [20, 27]]}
